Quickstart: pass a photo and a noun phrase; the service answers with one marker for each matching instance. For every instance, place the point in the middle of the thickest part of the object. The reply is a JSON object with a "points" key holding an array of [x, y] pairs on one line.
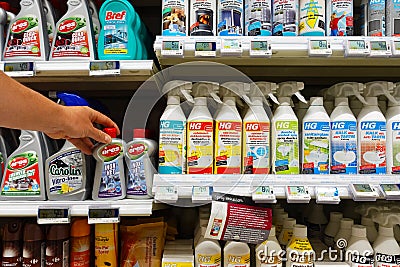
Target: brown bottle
{"points": [[80, 243], [12, 249], [33, 254], [57, 246]]}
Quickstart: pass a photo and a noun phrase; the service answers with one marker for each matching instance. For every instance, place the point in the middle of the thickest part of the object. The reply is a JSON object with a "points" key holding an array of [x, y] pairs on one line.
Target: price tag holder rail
{"points": [[390, 191], [264, 194], [104, 68], [19, 69], [172, 48], [97, 215], [297, 194], [319, 48], [363, 192], [327, 195], [202, 194], [166, 194], [53, 215]]}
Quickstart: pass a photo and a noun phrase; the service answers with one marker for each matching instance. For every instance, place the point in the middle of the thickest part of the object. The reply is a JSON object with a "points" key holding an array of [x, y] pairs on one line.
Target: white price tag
{"points": [[319, 48], [104, 68], [260, 48], [297, 194], [103, 215], [48, 215], [264, 194], [391, 191], [166, 194], [380, 48], [363, 192], [327, 195], [19, 69], [201, 194], [172, 48], [396, 48], [357, 48], [231, 46], [205, 49]]}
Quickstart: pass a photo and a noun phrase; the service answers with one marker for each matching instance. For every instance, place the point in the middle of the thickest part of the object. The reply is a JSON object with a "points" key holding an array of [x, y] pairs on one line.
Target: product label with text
{"points": [[316, 147], [285, 17], [204, 260], [358, 260], [174, 17], [200, 147], [57, 253], [343, 147], [116, 34], [230, 18], [258, 18], [373, 147], [287, 147], [136, 184], [172, 147], [340, 18], [256, 152], [238, 261], [395, 147], [385, 260]]}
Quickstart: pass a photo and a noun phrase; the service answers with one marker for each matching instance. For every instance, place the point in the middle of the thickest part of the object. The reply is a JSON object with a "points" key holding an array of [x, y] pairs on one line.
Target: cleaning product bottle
{"points": [[359, 249], [6, 146], [393, 134], [106, 245], [175, 15], [27, 38], [228, 131], [376, 17], [95, 20], [299, 250], [355, 105], [203, 16], [200, 130], [312, 18], [332, 228], [269, 252], [80, 247], [57, 245], [285, 17], [139, 158], [344, 129], [287, 231], [230, 18], [258, 17], [68, 172], [74, 39], [344, 230], [285, 131], [172, 144], [236, 254], [12, 245], [369, 224], [3, 27], [34, 246], [363, 18], [207, 253], [24, 177], [315, 138], [372, 130], [281, 217], [339, 18], [109, 179], [50, 20], [392, 16], [256, 155]]}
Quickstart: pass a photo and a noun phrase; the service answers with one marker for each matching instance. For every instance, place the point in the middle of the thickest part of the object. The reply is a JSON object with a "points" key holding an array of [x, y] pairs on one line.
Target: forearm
{"points": [[23, 108]]}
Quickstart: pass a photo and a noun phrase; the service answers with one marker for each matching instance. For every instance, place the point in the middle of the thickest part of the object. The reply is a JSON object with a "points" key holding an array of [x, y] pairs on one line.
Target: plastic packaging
{"points": [[312, 18], [287, 231], [57, 245], [372, 233], [11, 244], [236, 254], [392, 18], [393, 134], [332, 228], [80, 243], [300, 247], [207, 253], [3, 27], [344, 230], [106, 245], [285, 16], [95, 20], [175, 15], [109, 179], [74, 39], [230, 18], [139, 158], [50, 20], [34, 246], [340, 18], [376, 17], [268, 253], [359, 249], [258, 17], [203, 16]]}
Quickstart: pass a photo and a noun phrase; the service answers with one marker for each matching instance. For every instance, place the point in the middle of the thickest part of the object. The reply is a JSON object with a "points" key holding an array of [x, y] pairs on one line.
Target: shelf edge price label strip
{"points": [[260, 48], [56, 215], [205, 49], [173, 48], [264, 194], [380, 48], [319, 48], [202, 194], [104, 68], [19, 69], [391, 191], [327, 195], [168, 194], [103, 215], [357, 48], [297, 194], [363, 192], [231, 47]]}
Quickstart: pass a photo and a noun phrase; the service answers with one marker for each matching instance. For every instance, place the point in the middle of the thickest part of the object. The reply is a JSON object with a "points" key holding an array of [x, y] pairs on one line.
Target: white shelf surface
{"points": [[127, 207]]}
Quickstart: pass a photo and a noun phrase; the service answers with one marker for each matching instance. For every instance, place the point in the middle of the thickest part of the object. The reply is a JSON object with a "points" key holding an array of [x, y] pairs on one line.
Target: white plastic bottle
{"points": [[50, 20], [315, 138], [200, 130], [299, 251], [236, 254], [387, 250], [95, 19], [393, 134], [285, 131], [332, 228], [228, 132], [207, 253], [280, 218], [172, 142], [268, 253], [369, 224], [344, 230], [359, 251], [287, 231], [372, 130]]}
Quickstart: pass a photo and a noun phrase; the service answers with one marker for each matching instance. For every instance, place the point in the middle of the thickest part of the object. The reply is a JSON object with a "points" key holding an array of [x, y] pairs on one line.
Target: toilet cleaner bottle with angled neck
{"points": [[109, 179], [200, 130], [27, 37], [285, 130], [372, 129], [228, 131], [74, 38], [343, 155], [359, 251], [172, 142], [95, 19], [393, 134], [50, 17]]}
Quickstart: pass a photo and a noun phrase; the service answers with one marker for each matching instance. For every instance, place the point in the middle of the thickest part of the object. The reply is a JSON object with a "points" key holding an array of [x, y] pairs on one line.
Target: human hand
{"points": [[76, 125]]}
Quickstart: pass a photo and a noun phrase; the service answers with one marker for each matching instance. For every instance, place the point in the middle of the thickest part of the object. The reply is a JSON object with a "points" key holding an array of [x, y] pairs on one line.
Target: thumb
{"points": [[99, 136]]}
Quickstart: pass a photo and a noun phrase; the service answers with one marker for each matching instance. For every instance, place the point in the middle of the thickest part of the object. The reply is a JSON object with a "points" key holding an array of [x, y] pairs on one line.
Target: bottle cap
{"points": [[140, 133], [111, 132], [359, 231], [336, 216], [346, 223], [6, 6], [58, 232], [299, 230], [272, 232], [289, 223], [317, 101], [80, 227], [33, 232], [12, 232]]}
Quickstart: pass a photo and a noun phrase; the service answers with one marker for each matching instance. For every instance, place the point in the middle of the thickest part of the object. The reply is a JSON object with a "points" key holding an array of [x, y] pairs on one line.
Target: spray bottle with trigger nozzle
{"points": [[172, 142], [285, 130], [393, 133], [343, 156], [372, 129]]}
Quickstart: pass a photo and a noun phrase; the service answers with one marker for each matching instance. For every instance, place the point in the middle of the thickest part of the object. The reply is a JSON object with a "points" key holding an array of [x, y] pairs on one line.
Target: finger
{"points": [[102, 119], [83, 145], [99, 136]]}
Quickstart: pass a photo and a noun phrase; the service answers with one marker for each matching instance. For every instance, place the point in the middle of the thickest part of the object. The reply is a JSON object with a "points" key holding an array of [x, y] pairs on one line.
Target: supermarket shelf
{"points": [[128, 207]]}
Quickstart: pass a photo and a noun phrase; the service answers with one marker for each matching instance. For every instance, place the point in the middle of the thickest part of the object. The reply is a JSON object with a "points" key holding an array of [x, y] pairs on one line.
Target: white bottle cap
{"points": [[335, 216], [316, 101], [386, 231], [289, 223], [299, 230], [359, 231], [346, 223], [367, 221], [272, 231], [341, 101]]}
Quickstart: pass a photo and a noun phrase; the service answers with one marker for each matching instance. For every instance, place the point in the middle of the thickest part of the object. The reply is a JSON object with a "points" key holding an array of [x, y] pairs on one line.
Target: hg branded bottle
{"points": [[258, 17], [109, 179], [175, 17]]}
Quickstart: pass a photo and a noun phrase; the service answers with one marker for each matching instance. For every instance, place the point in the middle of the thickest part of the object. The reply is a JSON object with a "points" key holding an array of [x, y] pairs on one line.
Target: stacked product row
{"points": [[255, 141], [278, 18], [34, 34]]}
